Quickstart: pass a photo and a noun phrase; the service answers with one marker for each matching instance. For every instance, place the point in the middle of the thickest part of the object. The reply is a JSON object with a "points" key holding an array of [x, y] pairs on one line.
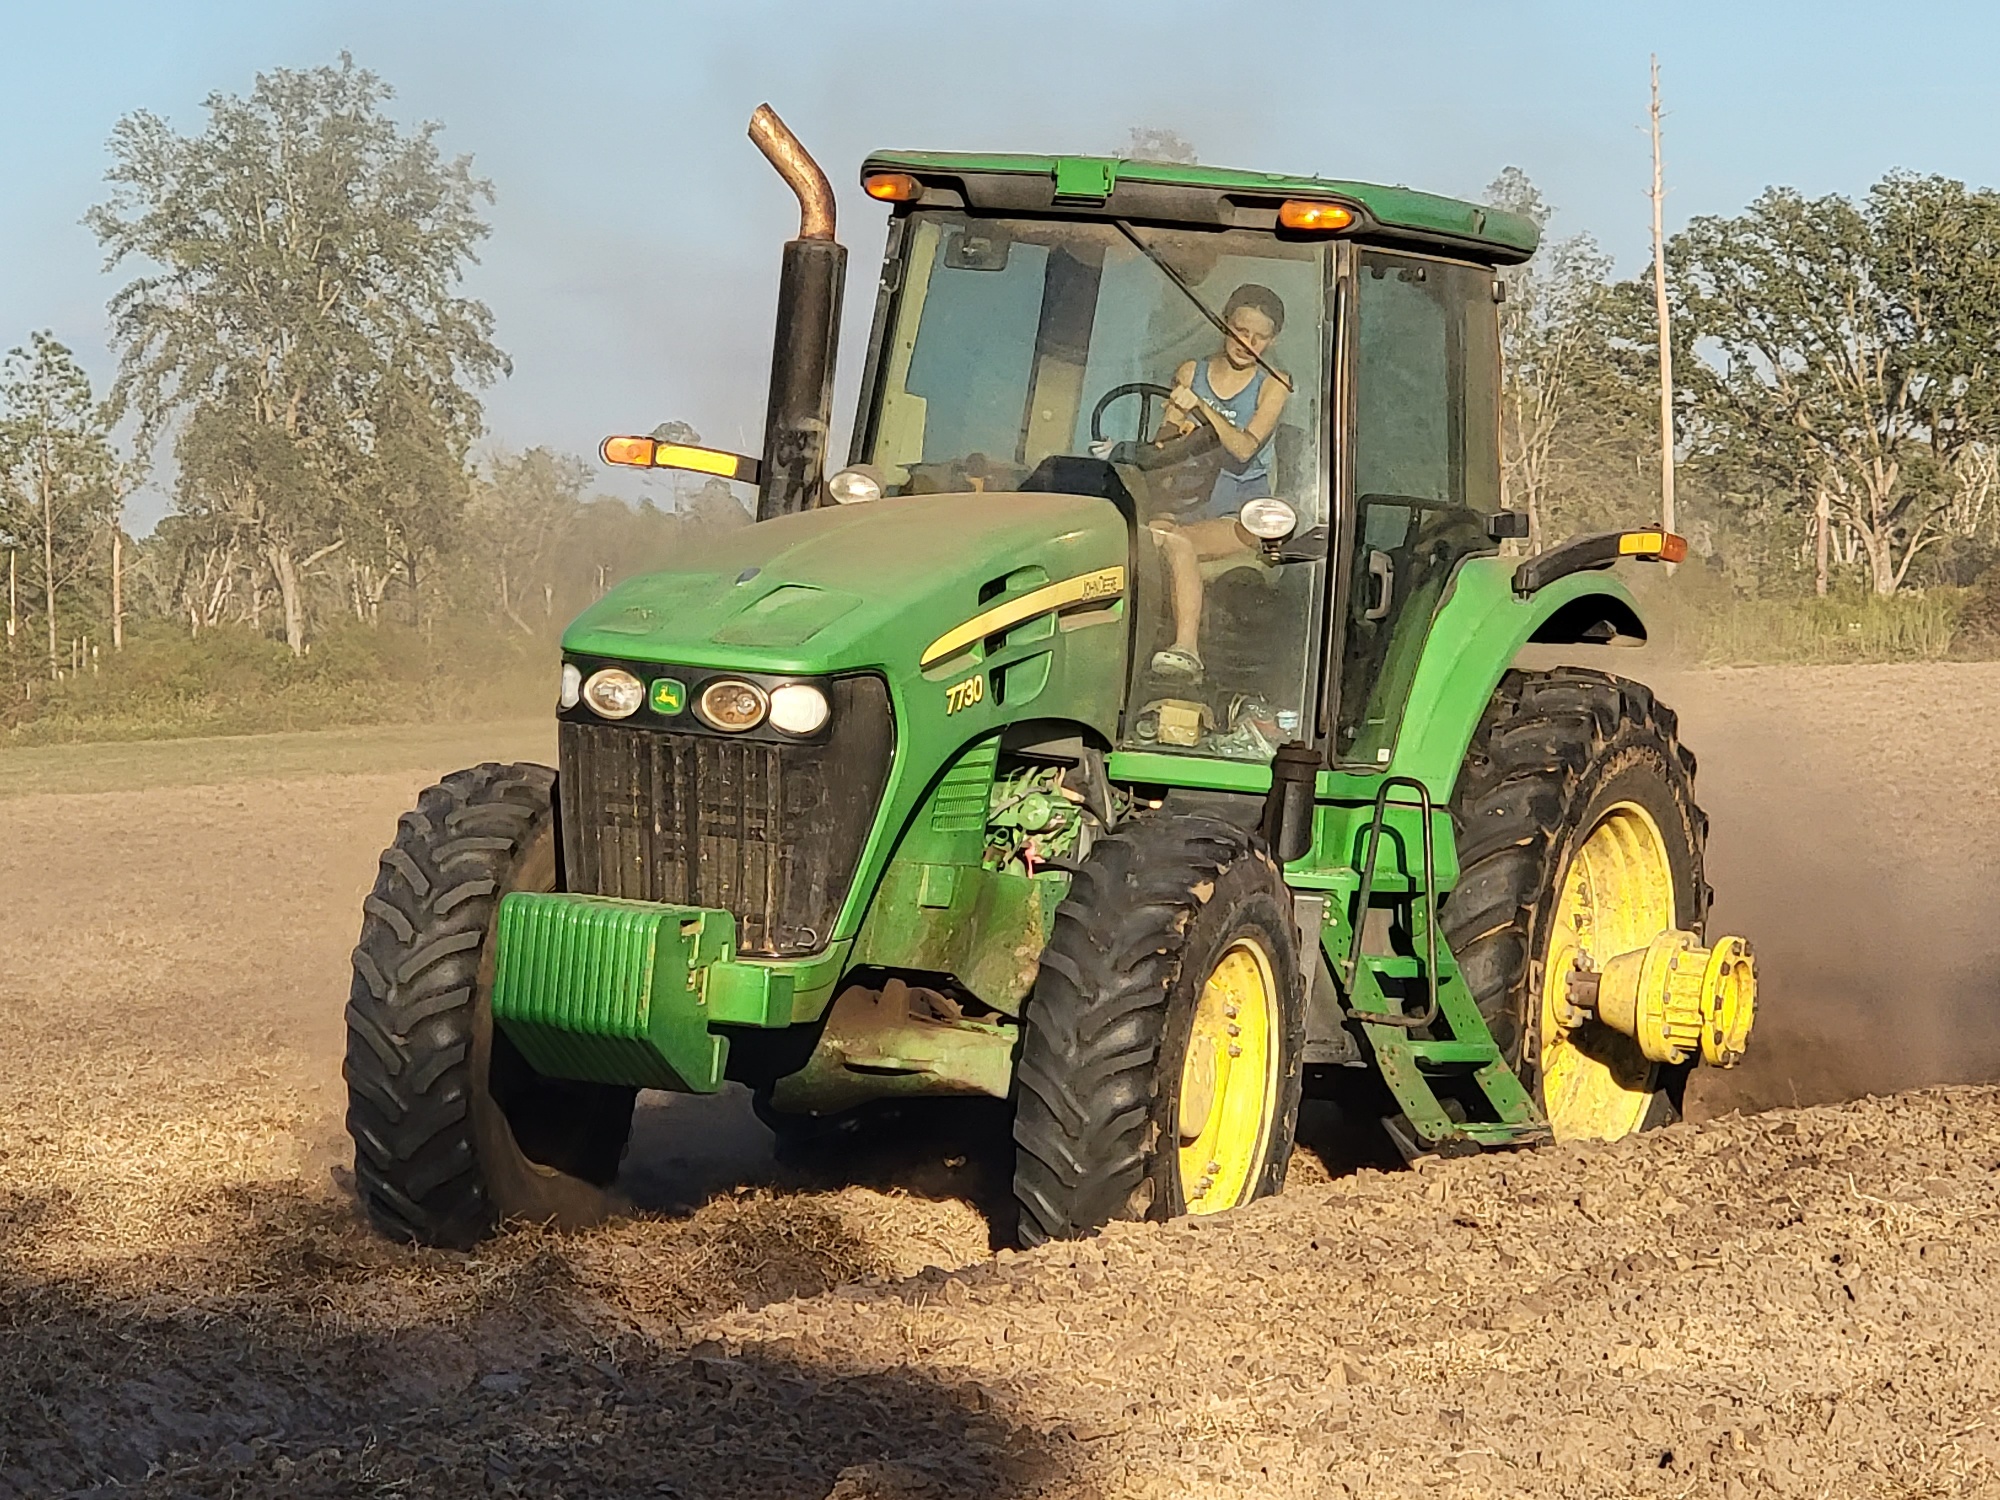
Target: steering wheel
{"points": [[1145, 390], [1199, 445]]}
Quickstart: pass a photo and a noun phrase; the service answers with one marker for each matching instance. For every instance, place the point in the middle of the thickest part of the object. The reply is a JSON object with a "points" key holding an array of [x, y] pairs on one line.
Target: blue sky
{"points": [[636, 232]]}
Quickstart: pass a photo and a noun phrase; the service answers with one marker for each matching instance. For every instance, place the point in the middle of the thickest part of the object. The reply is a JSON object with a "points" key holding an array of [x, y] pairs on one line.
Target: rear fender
{"points": [[1479, 631]]}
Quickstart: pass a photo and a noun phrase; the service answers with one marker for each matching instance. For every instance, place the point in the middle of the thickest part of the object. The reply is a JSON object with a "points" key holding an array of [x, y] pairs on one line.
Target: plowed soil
{"points": [[1787, 1295]]}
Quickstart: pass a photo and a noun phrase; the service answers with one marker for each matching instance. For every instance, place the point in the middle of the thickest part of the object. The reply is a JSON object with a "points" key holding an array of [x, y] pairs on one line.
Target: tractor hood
{"points": [[876, 585]]}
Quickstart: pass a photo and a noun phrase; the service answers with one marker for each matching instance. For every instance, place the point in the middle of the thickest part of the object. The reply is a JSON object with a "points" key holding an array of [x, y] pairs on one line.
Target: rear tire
{"points": [[453, 1130], [1555, 756], [1166, 919]]}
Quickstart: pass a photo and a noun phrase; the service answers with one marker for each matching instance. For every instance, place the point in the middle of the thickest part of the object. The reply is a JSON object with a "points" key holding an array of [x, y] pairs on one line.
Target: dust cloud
{"points": [[1855, 840]]}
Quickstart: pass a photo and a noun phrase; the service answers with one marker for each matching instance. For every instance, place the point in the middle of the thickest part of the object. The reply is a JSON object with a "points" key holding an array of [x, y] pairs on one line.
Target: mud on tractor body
{"points": [[1131, 731]]}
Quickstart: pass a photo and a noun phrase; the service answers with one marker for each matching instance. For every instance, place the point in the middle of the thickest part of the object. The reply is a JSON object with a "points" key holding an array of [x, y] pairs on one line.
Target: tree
{"points": [[1550, 324], [57, 473], [299, 327], [1856, 348], [525, 507], [1157, 143]]}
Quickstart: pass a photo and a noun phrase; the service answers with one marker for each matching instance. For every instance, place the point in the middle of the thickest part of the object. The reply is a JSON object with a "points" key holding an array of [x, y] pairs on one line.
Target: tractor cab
{"points": [[1076, 323]]}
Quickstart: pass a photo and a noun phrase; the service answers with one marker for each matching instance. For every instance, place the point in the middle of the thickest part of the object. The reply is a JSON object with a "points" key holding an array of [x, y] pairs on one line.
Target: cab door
{"points": [[1424, 449]]}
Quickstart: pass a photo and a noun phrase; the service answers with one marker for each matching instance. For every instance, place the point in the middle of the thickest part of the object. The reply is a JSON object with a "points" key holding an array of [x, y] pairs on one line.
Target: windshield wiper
{"points": [[1200, 306]]}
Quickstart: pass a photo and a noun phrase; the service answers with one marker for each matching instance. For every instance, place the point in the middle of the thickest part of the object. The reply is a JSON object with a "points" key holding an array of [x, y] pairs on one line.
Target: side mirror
{"points": [[1507, 525]]}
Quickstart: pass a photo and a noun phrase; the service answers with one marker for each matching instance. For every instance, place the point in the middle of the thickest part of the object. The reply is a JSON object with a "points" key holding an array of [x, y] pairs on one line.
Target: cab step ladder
{"points": [[1456, 1041]]}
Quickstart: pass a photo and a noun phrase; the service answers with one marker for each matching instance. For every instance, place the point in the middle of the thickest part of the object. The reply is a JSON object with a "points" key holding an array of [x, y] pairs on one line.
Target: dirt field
{"points": [[1790, 1302]]}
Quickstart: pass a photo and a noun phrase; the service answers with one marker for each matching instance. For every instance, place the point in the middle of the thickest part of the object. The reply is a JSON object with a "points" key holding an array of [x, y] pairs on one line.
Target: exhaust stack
{"points": [[808, 333]]}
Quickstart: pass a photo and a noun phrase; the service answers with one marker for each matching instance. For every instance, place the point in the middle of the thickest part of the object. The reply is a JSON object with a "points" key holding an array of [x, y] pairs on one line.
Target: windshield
{"points": [[1192, 361]]}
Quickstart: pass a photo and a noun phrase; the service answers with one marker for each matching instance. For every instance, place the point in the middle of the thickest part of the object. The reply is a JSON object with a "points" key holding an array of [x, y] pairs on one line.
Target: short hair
{"points": [[1260, 298]]}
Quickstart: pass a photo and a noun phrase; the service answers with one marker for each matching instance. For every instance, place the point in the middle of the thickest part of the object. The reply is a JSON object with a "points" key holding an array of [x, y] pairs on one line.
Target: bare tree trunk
{"points": [[285, 569], [1822, 523], [13, 603], [410, 575], [1881, 562], [1663, 319]]}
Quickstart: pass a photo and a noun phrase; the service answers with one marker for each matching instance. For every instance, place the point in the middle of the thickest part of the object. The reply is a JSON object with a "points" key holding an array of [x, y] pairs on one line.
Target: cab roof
{"points": [[1168, 192]]}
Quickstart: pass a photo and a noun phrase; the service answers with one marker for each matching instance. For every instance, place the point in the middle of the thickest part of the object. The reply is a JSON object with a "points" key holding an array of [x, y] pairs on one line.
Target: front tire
{"points": [[1161, 1052], [1577, 831], [453, 1130]]}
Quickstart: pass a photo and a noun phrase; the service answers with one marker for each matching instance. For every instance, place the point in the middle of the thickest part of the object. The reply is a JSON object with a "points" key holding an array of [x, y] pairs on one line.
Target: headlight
{"points": [[732, 706], [1267, 519], [853, 486], [614, 693], [798, 708], [572, 685]]}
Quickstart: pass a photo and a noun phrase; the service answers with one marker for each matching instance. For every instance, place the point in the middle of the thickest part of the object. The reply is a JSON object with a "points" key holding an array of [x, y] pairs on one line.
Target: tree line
{"points": [[297, 355], [295, 350], [1836, 411]]}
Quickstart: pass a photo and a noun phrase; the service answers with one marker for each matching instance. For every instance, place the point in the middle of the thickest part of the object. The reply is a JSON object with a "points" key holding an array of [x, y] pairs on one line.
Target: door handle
{"points": [[1381, 568]]}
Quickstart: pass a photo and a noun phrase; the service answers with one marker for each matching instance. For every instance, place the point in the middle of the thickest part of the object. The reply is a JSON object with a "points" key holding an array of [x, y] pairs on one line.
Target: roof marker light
{"points": [[1326, 218], [892, 187]]}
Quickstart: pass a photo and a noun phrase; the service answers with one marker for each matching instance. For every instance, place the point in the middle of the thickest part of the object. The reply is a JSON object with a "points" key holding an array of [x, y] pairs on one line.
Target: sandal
{"points": [[1174, 662]]}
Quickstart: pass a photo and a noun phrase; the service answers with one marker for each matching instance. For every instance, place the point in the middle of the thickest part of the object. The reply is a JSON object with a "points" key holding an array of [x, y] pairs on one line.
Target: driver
{"points": [[1238, 396]]}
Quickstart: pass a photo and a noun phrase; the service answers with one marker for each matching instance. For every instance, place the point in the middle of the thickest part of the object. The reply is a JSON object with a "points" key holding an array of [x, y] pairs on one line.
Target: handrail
{"points": [[1352, 966]]}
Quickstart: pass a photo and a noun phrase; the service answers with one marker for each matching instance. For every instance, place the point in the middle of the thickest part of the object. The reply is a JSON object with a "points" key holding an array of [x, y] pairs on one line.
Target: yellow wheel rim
{"points": [[1229, 1082], [1617, 895]]}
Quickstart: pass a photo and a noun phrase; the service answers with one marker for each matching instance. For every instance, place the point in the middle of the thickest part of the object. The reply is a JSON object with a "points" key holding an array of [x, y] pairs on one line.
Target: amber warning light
{"points": [[893, 187], [1327, 218], [651, 453], [1659, 546]]}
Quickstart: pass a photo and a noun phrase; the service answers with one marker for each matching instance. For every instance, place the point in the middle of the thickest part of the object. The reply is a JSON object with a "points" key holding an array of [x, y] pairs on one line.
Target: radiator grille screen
{"points": [[769, 831]]}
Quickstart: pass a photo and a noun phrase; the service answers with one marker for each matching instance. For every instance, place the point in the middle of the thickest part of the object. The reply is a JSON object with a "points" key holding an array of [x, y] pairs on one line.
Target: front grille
{"points": [[769, 831]]}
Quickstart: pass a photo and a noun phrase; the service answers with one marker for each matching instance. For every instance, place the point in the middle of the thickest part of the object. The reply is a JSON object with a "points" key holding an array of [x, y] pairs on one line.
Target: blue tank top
{"points": [[1238, 410]]}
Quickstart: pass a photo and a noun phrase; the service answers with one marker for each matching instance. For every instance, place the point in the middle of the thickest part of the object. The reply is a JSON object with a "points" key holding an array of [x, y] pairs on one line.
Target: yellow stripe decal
{"points": [[705, 461], [1085, 588]]}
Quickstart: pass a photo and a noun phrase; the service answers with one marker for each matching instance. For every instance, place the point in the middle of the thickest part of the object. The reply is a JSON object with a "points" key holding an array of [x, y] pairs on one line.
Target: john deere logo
{"points": [[669, 696]]}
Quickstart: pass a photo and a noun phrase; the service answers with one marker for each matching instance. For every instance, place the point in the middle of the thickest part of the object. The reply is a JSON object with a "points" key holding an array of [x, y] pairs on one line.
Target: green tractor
{"points": [[1131, 731]]}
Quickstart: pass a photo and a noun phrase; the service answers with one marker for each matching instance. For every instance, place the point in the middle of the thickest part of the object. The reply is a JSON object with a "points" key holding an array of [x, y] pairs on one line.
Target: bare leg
{"points": [[1186, 549], [1184, 578]]}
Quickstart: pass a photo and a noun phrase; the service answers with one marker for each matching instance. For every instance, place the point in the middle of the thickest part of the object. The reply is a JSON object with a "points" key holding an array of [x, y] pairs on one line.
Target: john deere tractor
{"points": [[1130, 730]]}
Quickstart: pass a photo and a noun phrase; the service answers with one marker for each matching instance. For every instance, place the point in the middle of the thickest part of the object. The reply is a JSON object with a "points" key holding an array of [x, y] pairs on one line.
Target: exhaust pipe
{"points": [[809, 293]]}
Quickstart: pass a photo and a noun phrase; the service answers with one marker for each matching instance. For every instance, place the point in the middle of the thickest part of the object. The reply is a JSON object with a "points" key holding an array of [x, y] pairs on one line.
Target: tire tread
{"points": [[410, 1010]]}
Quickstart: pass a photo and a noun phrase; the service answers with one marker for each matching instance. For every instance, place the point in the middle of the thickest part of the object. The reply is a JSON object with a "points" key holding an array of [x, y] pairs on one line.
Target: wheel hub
{"points": [[1673, 997], [1616, 897], [1229, 1081]]}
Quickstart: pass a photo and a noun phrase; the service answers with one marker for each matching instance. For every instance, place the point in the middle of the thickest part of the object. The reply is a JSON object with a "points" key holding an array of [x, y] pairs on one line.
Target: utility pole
{"points": [[1665, 323], [118, 576]]}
